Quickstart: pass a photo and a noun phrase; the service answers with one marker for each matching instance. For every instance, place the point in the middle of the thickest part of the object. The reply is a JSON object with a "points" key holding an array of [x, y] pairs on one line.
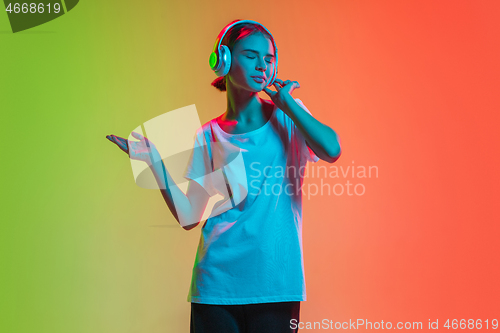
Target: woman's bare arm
{"points": [[187, 208]]}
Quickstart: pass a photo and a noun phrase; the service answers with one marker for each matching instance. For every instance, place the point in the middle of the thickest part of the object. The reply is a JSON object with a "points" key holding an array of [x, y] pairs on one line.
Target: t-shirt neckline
{"points": [[251, 132]]}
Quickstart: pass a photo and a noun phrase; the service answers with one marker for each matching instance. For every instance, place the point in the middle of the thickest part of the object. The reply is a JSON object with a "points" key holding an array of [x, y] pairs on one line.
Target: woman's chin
{"points": [[258, 86], [252, 88]]}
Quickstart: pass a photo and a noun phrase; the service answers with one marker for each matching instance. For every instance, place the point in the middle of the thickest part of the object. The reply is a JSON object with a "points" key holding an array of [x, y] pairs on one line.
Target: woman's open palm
{"points": [[142, 150]]}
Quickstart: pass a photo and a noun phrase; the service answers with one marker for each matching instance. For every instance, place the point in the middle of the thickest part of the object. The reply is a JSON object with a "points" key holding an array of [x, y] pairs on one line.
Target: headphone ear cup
{"points": [[224, 61]]}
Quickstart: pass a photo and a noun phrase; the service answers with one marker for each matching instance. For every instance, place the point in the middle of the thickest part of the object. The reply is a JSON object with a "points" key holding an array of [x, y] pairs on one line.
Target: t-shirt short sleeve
{"points": [[306, 152], [199, 167]]}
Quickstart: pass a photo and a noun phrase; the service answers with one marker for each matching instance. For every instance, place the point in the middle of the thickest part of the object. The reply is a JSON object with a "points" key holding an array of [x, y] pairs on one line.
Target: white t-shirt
{"points": [[252, 251]]}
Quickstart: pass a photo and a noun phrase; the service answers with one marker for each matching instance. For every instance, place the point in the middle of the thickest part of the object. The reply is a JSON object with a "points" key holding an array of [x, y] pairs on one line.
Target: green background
{"points": [[83, 248]]}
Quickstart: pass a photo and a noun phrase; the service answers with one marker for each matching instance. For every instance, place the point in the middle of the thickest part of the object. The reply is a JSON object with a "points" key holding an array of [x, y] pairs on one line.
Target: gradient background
{"points": [[410, 86]]}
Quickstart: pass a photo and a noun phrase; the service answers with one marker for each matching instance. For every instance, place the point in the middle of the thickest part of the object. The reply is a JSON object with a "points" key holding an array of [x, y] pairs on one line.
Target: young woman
{"points": [[248, 274]]}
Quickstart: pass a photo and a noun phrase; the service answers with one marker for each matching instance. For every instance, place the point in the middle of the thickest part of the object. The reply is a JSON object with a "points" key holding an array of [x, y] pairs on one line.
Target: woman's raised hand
{"points": [[283, 92], [142, 150]]}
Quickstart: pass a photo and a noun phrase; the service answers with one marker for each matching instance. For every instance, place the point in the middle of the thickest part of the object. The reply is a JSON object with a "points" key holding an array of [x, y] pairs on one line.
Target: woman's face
{"points": [[252, 56]]}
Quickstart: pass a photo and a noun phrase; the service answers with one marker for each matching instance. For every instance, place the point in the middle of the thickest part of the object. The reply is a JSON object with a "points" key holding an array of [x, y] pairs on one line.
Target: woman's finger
{"points": [[120, 142], [117, 139], [279, 82], [111, 138], [269, 92], [137, 135], [123, 141], [123, 144]]}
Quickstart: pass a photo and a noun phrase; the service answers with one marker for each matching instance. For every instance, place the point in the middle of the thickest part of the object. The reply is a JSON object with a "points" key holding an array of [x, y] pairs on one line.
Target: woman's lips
{"points": [[258, 79]]}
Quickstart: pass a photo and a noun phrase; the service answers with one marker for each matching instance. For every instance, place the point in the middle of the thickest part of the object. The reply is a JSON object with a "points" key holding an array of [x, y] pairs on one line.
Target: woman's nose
{"points": [[261, 65]]}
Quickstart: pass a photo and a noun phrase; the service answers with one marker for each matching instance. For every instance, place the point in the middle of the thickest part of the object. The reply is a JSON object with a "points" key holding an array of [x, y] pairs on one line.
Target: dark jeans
{"points": [[246, 318]]}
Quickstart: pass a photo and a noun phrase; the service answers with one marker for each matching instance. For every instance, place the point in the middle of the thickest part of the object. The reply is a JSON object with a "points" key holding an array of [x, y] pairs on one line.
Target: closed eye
{"points": [[269, 62]]}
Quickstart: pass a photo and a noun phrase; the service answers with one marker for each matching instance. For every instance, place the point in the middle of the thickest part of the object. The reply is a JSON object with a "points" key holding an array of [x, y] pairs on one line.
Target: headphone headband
{"points": [[221, 35]]}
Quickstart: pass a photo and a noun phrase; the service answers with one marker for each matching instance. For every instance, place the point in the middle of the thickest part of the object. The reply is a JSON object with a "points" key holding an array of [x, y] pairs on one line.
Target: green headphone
{"points": [[220, 58]]}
